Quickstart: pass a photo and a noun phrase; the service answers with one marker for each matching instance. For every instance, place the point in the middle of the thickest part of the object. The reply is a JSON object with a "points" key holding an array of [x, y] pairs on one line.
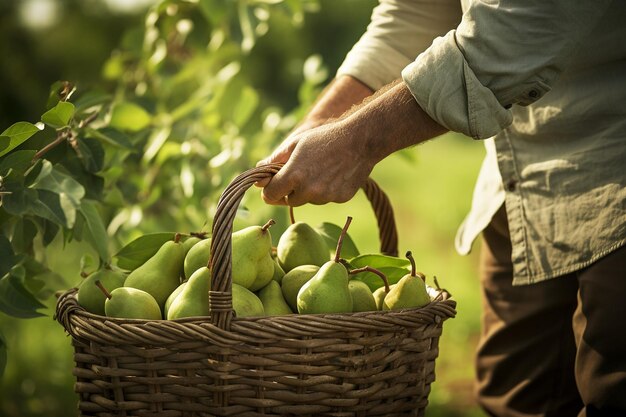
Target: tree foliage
{"points": [[150, 148]]}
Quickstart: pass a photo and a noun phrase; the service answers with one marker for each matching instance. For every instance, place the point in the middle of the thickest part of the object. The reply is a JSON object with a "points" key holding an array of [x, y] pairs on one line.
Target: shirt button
{"points": [[511, 185], [533, 94]]}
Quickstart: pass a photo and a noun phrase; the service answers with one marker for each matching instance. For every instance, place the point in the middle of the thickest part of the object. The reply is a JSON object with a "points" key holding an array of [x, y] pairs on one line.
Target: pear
{"points": [[265, 273], [294, 280], [160, 275], [327, 291], [380, 294], [299, 245], [197, 257], [279, 273], [362, 298], [190, 243], [246, 303], [252, 259], [90, 297], [193, 300], [172, 297], [274, 303], [130, 303], [409, 292]]}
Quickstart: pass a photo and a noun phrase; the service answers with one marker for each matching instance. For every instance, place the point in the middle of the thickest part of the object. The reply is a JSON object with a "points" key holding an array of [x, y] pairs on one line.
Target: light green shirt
{"points": [[545, 83]]}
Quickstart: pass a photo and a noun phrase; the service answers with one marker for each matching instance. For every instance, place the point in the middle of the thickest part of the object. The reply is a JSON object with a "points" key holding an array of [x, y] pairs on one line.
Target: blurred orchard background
{"points": [[138, 114]]}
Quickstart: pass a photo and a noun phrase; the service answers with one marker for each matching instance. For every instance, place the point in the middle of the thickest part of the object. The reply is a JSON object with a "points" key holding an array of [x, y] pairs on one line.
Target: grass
{"points": [[430, 190]]}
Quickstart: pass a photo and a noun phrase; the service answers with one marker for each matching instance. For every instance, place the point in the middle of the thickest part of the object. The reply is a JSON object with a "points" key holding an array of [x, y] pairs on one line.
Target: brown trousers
{"points": [[555, 348]]}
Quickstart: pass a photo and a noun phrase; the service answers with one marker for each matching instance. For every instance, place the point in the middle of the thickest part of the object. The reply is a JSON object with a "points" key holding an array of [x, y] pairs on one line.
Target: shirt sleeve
{"points": [[503, 53], [399, 30]]}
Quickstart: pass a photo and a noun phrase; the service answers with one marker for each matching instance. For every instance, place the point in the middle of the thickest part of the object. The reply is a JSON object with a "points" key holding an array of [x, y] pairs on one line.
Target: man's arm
{"points": [[329, 163]]}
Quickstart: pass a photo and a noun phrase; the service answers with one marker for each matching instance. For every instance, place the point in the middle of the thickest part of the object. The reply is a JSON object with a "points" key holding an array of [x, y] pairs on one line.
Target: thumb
{"points": [[279, 186]]}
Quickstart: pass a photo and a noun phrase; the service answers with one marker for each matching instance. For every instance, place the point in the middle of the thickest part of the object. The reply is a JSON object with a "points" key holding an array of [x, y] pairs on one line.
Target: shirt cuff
{"points": [[446, 88]]}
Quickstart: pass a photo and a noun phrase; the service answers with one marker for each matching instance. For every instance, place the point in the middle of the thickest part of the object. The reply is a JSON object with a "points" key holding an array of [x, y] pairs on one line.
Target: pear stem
{"points": [[340, 240], [201, 235], [409, 256], [104, 290], [291, 217], [375, 271], [177, 237], [267, 225]]}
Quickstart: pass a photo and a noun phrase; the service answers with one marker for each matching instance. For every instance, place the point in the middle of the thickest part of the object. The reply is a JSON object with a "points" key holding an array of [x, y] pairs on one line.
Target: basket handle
{"points": [[220, 296]]}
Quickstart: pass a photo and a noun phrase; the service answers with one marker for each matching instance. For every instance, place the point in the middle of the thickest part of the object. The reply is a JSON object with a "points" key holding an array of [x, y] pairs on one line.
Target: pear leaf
{"points": [[59, 116], [16, 300], [97, 235], [137, 252], [17, 134], [378, 261], [330, 232]]}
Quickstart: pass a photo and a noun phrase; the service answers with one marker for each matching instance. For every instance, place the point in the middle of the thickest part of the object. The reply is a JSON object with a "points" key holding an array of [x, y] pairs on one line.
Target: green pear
{"points": [[265, 273], [279, 273], [379, 295], [172, 297], [90, 297], [362, 298], [327, 291], [294, 280], [130, 303], [274, 303], [299, 245], [197, 257], [252, 259], [409, 292], [193, 300], [246, 303], [160, 275], [190, 242]]}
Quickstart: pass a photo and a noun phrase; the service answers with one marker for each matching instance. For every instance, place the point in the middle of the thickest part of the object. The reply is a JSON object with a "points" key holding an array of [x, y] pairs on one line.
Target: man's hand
{"points": [[324, 164]]}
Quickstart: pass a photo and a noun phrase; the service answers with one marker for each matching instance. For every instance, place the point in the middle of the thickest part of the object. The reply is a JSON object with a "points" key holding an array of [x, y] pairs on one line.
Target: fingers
{"points": [[279, 186]]}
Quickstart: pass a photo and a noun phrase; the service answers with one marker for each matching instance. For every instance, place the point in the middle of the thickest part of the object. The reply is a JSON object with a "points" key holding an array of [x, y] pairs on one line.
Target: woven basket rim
{"points": [[80, 310]]}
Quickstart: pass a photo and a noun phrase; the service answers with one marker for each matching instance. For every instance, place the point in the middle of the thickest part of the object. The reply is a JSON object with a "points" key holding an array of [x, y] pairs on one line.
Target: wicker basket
{"points": [[358, 364]]}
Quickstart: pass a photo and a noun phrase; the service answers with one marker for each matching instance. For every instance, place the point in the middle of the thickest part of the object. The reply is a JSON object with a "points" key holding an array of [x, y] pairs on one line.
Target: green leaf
{"points": [[129, 116], [111, 136], [373, 281], [17, 133], [91, 154], [23, 234], [5, 141], [7, 257], [60, 115], [3, 354], [97, 235], [52, 179], [54, 207], [15, 299], [17, 162], [379, 261], [137, 252], [331, 232]]}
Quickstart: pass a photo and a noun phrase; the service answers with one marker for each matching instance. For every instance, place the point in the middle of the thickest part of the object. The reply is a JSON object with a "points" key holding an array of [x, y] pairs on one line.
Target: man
{"points": [[545, 83]]}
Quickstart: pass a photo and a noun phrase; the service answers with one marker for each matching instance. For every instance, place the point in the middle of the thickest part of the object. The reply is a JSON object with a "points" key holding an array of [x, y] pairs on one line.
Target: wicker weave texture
{"points": [[360, 364]]}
